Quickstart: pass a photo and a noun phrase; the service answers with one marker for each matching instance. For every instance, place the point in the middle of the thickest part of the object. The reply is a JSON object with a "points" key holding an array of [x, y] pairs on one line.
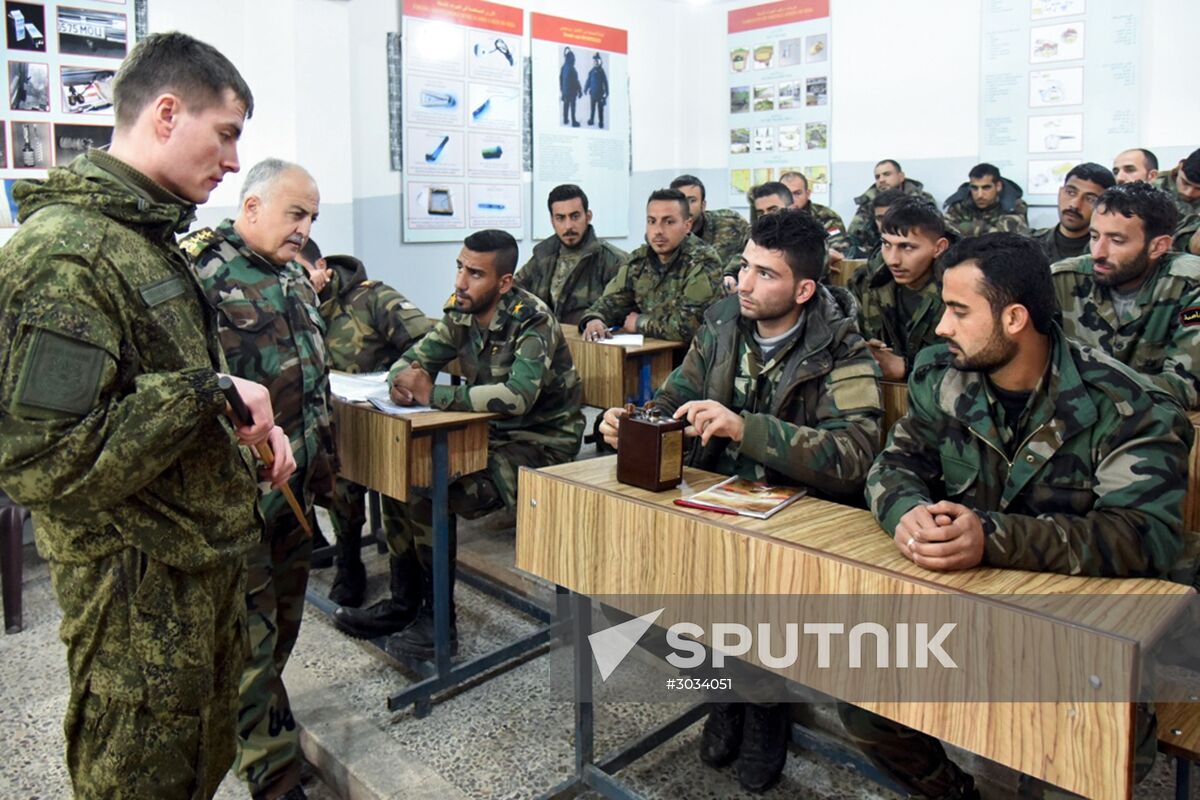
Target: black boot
{"points": [[764, 747], [350, 582], [391, 614], [416, 641], [722, 736], [319, 542]]}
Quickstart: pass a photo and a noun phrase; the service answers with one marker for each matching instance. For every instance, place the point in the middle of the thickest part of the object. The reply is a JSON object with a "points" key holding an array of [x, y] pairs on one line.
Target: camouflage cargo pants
{"points": [[154, 656], [268, 757], [471, 496], [919, 763], [348, 513]]}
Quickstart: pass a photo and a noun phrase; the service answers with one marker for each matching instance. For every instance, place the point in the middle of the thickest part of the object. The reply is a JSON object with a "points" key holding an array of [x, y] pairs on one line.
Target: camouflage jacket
{"points": [[670, 298], [812, 413], [1008, 214], [879, 315], [1166, 182], [1095, 486], [1187, 228], [112, 427], [1161, 337], [831, 221], [857, 282], [725, 231], [862, 233], [272, 333], [519, 368], [368, 324], [1047, 239], [598, 263]]}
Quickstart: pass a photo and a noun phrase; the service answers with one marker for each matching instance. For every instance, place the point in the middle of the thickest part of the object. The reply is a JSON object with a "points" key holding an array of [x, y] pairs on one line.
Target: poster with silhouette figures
{"points": [[581, 118], [779, 102], [462, 115]]}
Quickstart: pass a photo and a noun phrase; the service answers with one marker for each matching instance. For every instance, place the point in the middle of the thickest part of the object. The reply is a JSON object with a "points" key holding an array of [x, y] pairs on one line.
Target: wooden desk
{"points": [[624, 540], [611, 374], [895, 403], [841, 273]]}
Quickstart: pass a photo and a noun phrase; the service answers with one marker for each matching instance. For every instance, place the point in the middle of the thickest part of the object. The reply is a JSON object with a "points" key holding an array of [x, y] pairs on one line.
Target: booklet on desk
{"points": [[747, 498]]}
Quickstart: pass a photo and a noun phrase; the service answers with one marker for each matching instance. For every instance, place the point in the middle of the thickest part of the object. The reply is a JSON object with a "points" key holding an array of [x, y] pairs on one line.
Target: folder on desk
{"points": [[747, 498]]}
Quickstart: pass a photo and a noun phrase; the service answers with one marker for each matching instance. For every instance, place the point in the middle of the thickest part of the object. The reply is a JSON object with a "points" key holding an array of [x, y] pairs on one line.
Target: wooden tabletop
{"points": [[649, 345]]}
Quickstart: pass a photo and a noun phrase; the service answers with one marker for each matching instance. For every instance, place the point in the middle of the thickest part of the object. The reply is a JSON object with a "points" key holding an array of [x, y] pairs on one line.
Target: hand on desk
{"points": [[609, 425], [891, 365], [596, 330], [412, 386], [944, 536], [708, 418]]}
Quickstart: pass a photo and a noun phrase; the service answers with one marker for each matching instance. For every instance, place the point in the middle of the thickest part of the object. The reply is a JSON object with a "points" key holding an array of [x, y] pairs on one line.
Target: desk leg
{"points": [[375, 521], [645, 385], [441, 553], [1183, 778]]}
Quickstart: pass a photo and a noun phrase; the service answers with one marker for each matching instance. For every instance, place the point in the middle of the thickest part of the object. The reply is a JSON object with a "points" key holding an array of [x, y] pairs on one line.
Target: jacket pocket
{"points": [[958, 475]]}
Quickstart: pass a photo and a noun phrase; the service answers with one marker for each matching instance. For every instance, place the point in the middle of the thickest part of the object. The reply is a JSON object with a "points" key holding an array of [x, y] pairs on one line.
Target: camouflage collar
{"points": [[228, 232], [510, 305], [147, 190]]}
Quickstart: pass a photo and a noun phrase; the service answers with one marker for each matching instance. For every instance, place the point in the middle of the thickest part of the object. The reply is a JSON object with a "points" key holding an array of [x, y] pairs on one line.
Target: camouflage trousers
{"points": [[154, 656], [348, 513], [918, 762], [471, 496], [268, 757]]}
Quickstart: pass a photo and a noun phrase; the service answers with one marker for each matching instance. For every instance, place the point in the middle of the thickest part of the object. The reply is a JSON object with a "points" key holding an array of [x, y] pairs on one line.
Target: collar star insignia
{"points": [[517, 308]]}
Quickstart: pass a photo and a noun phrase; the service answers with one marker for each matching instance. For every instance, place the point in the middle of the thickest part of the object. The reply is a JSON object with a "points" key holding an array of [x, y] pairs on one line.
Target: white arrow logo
{"points": [[611, 645]]}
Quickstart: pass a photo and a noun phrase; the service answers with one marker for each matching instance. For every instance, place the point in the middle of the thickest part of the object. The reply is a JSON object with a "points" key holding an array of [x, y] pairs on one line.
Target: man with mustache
{"points": [[271, 332], [900, 301], [1135, 164], [1076, 200], [1023, 450], [987, 203], [862, 233], [777, 386], [517, 365], [1134, 297], [570, 270], [665, 285]]}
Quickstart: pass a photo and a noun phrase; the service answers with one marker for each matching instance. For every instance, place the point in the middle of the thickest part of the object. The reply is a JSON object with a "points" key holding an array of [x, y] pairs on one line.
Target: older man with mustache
{"points": [[270, 328]]}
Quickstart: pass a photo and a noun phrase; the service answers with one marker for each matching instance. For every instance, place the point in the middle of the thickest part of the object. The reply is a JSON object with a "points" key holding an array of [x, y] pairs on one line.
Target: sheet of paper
{"points": [[358, 388], [625, 339], [388, 407]]}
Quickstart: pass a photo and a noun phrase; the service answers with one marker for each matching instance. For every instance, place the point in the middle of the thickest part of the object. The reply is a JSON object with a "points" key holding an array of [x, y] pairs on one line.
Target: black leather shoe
{"points": [[349, 585], [416, 641], [382, 619], [764, 747], [722, 736]]}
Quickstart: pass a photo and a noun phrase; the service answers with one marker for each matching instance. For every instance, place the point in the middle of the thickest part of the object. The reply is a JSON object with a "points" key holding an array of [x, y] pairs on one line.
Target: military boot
{"points": [[319, 542], [350, 581], [416, 641], [392, 614], [722, 735], [764, 747]]}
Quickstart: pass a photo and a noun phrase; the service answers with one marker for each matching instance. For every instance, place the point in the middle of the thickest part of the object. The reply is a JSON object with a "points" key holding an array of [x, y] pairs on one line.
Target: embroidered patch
{"points": [[162, 291], [60, 374], [1190, 317]]}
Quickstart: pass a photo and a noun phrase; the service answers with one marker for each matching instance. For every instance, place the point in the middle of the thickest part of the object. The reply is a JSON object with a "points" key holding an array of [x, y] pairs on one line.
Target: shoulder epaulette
{"points": [[196, 243]]}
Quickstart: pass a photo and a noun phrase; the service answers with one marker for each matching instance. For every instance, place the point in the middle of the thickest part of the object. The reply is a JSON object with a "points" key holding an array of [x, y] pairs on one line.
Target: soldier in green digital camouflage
{"points": [[368, 325], [900, 302], [1133, 297], [1021, 449], [663, 287], [113, 431], [987, 203], [777, 386], [271, 331], [862, 233], [830, 220], [569, 270], [516, 364], [1077, 198], [723, 229], [1183, 184]]}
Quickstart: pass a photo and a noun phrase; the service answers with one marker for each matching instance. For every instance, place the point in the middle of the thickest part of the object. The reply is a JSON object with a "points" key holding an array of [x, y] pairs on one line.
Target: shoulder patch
{"points": [[60, 374], [1190, 317], [196, 243]]}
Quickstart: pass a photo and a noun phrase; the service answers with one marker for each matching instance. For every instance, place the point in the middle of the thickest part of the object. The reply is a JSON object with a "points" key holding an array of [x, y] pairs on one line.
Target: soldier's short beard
{"points": [[995, 354], [1126, 272], [480, 305]]}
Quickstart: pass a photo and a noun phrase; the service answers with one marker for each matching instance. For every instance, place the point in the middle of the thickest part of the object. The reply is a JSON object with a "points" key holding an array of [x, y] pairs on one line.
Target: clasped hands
{"points": [[943, 536]]}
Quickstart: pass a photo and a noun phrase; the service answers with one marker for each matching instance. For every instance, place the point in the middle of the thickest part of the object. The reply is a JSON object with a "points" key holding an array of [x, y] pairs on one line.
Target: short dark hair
{"points": [[175, 62], [1149, 157], [689, 180], [564, 192], [791, 173], [1191, 166], [1155, 208], [796, 234], [984, 170], [771, 188], [495, 241], [891, 161], [671, 194], [887, 197], [310, 252], [912, 213], [1093, 173], [1015, 270]]}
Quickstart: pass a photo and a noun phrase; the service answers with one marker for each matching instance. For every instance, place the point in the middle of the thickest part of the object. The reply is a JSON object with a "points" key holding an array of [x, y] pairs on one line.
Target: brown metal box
{"points": [[650, 452]]}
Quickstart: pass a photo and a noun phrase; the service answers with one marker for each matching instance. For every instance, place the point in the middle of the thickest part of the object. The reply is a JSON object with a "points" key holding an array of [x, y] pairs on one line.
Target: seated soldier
{"points": [[665, 285], [1076, 200], [987, 203], [766, 198], [830, 220], [569, 270], [723, 229], [368, 325], [1137, 164], [879, 208], [1103, 496], [1132, 296], [1183, 184], [862, 233], [759, 407], [900, 303], [518, 366]]}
